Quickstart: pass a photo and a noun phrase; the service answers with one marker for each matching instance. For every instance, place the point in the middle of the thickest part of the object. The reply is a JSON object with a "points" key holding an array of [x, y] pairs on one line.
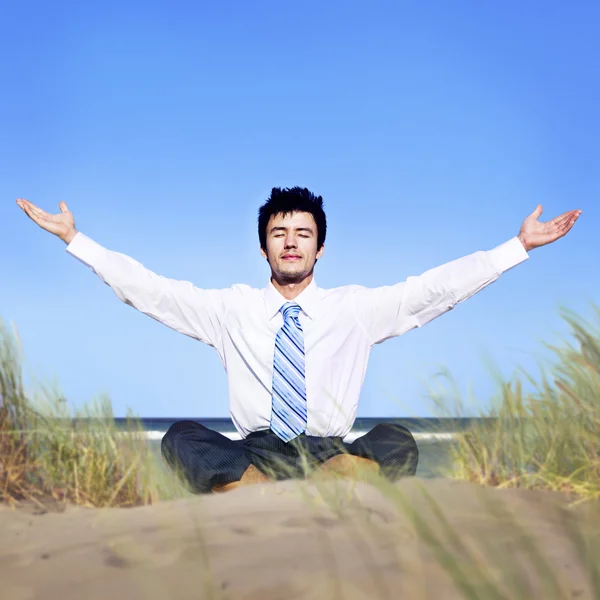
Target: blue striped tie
{"points": [[288, 413]]}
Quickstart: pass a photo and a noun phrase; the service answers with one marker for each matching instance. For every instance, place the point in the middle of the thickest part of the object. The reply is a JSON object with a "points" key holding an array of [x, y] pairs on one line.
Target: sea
{"points": [[434, 436]]}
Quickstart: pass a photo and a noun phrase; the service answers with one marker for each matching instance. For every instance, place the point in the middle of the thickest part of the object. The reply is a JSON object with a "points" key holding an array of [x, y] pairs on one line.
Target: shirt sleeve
{"points": [[389, 311], [197, 313]]}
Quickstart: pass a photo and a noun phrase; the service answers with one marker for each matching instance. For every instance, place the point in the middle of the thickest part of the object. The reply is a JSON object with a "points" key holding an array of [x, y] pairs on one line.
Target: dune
{"points": [[301, 540]]}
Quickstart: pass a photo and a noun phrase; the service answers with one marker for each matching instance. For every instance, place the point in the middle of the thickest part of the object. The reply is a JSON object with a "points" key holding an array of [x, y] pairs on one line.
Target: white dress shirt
{"points": [[340, 325]]}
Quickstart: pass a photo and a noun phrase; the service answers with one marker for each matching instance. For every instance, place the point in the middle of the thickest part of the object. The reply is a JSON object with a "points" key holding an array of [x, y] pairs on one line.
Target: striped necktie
{"points": [[288, 413]]}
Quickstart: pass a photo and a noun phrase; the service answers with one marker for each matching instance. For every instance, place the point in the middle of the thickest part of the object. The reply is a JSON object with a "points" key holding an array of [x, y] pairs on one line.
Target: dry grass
{"points": [[547, 439], [48, 451]]}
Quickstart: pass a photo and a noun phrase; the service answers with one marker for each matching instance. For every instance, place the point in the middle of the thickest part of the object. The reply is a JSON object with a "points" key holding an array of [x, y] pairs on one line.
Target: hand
{"points": [[61, 225], [534, 234]]}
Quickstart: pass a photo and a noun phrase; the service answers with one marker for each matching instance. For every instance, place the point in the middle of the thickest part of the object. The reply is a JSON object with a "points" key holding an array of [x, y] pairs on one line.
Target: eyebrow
{"points": [[273, 229]]}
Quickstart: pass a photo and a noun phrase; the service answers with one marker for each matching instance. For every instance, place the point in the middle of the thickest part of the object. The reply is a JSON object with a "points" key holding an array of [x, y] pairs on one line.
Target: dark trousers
{"points": [[204, 458]]}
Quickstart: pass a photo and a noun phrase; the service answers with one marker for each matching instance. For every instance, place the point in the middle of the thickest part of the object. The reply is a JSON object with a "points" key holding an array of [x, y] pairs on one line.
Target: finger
{"points": [[63, 207], [32, 207], [566, 227], [560, 221], [537, 212], [561, 218], [564, 221], [23, 203], [41, 217], [32, 214], [41, 214]]}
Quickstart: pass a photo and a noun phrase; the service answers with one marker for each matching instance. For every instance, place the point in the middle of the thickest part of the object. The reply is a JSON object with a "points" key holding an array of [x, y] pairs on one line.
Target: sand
{"points": [[268, 542]]}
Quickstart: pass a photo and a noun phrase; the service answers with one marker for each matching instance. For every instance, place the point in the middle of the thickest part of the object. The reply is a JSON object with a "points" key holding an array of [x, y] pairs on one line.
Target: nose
{"points": [[290, 241]]}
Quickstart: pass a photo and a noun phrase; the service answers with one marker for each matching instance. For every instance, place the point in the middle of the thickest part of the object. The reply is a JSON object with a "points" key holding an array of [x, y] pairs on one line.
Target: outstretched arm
{"points": [[180, 305], [390, 311]]}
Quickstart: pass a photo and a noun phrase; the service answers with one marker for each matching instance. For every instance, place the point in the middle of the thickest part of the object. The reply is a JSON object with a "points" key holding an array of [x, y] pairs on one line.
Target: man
{"points": [[295, 354]]}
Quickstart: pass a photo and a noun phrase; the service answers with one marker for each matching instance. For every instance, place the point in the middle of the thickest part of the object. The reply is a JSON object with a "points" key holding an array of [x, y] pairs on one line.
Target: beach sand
{"points": [[290, 540]]}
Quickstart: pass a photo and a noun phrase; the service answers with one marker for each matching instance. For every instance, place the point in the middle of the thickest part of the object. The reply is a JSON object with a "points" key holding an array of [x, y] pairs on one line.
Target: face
{"points": [[294, 235]]}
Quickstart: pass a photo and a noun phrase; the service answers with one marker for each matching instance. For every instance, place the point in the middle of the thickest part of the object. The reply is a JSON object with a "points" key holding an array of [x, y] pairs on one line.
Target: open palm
{"points": [[60, 224], [534, 234]]}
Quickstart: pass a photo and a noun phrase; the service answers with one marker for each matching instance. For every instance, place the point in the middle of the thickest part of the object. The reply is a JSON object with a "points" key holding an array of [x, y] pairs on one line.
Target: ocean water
{"points": [[434, 436]]}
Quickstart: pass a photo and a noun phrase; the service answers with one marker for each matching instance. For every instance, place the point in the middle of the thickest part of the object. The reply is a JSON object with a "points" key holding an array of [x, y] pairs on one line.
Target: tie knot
{"points": [[290, 310]]}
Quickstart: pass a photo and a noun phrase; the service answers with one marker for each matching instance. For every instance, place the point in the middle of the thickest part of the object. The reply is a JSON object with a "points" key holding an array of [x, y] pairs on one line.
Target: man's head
{"points": [[292, 223]]}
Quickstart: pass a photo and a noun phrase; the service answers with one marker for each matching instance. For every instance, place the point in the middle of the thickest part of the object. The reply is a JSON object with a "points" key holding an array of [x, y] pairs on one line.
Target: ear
{"points": [[320, 252], [264, 254]]}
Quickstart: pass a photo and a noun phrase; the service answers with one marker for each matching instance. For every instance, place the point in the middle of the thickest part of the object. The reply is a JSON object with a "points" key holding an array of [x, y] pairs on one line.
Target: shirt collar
{"points": [[307, 299]]}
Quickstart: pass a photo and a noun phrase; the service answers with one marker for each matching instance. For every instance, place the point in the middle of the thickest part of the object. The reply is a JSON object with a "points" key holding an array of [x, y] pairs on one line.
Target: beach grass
{"points": [[546, 440], [52, 452]]}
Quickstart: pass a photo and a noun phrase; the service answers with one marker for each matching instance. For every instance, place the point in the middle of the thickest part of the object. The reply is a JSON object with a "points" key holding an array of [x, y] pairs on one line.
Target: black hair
{"points": [[288, 200]]}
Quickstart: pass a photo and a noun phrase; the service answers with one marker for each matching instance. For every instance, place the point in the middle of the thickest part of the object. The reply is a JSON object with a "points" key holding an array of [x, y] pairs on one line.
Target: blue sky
{"points": [[430, 129]]}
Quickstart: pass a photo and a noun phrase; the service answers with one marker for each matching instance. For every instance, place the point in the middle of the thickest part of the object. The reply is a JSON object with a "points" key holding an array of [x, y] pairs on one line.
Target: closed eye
{"points": [[281, 235]]}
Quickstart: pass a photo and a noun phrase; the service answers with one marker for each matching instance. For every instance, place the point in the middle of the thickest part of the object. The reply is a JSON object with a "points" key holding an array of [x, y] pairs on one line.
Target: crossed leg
{"points": [[201, 456]]}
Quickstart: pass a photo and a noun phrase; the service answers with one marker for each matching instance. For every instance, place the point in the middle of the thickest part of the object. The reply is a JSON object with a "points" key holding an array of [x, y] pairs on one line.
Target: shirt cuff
{"points": [[508, 255], [85, 249]]}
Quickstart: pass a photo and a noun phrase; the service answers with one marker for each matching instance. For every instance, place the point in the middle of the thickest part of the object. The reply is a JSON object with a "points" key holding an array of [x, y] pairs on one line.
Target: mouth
{"points": [[291, 257]]}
